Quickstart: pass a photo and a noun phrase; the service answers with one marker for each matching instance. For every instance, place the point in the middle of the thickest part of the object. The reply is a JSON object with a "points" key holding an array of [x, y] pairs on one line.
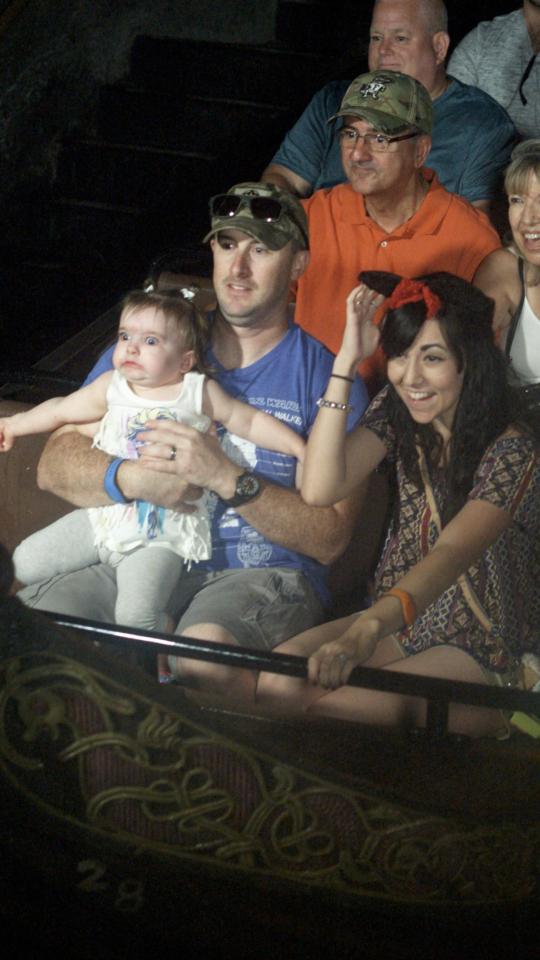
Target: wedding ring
{"points": [[172, 455], [342, 657]]}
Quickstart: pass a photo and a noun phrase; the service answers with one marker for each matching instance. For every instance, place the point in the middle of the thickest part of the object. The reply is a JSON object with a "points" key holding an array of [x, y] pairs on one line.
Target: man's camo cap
{"points": [[291, 223], [390, 101]]}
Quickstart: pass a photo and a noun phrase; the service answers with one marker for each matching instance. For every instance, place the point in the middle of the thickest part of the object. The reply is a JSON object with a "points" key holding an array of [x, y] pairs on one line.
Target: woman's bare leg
{"points": [[291, 695], [288, 695], [392, 709]]}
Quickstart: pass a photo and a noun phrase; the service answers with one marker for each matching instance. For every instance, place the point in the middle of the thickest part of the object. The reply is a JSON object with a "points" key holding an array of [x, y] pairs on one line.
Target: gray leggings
{"points": [[145, 577]]}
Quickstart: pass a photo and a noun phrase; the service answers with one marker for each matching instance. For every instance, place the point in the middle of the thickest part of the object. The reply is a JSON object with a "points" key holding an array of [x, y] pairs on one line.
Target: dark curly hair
{"points": [[487, 404]]}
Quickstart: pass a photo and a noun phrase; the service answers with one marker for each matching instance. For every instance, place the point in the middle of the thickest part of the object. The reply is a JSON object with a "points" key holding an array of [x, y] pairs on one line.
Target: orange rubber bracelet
{"points": [[408, 607]]}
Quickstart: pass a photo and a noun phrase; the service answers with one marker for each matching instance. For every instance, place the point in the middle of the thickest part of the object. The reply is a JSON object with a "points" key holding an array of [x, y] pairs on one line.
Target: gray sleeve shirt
{"points": [[494, 57]]}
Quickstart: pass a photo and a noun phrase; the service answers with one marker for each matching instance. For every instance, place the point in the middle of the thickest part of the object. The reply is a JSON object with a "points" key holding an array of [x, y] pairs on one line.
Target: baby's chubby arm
{"points": [[249, 423], [86, 405]]}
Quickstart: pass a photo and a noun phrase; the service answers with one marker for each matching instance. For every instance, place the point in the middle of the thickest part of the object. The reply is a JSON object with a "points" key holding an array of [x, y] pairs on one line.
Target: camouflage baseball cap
{"points": [[263, 211], [389, 100]]}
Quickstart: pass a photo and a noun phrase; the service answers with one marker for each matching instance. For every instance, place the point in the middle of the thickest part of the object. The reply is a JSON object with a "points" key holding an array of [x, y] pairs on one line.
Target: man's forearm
{"points": [[285, 179], [70, 468], [280, 515], [74, 470]]}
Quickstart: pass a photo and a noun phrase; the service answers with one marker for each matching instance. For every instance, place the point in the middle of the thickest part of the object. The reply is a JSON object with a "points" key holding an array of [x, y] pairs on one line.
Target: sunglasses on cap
{"points": [[261, 208]]}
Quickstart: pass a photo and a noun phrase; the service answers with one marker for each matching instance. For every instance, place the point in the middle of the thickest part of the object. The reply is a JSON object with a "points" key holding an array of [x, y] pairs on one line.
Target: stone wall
{"points": [[55, 54]]}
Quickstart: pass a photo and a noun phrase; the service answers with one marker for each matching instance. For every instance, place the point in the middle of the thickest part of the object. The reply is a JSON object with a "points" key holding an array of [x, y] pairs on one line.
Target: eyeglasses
{"points": [[376, 142], [261, 208]]}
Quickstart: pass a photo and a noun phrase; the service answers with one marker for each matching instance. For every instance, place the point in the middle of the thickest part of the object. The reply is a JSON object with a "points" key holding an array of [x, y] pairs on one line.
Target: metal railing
{"points": [[29, 377], [438, 692]]}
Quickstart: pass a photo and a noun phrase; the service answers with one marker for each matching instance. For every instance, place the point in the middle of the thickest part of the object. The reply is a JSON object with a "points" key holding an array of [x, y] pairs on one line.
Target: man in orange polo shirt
{"points": [[392, 214]]}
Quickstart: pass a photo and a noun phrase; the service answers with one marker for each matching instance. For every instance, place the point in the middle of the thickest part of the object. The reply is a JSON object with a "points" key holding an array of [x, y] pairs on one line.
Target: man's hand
{"points": [[177, 450], [138, 482], [277, 513]]}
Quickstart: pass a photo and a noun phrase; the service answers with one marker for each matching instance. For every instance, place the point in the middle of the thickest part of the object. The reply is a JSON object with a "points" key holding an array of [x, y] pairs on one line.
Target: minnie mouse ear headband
{"points": [[400, 290], [413, 291]]}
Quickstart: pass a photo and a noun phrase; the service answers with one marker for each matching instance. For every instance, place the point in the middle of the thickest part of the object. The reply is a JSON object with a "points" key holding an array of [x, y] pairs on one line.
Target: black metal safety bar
{"points": [[438, 692], [34, 377]]}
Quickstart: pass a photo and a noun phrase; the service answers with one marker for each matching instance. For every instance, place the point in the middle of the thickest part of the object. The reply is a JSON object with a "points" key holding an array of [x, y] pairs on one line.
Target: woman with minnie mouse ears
{"points": [[456, 588]]}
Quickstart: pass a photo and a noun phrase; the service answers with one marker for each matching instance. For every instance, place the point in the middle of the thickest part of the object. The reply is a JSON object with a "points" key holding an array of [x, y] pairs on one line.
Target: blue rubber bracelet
{"points": [[109, 482]]}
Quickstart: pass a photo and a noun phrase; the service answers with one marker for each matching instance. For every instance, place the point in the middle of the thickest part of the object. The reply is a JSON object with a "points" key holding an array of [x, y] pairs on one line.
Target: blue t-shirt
{"points": [[473, 138], [286, 382]]}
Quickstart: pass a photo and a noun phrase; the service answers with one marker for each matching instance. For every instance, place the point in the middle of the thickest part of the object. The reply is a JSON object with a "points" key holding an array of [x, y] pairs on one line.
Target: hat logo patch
{"points": [[372, 89]]}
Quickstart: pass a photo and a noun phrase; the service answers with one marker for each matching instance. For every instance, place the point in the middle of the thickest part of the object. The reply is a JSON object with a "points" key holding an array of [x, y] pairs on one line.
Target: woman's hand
{"points": [[361, 336], [332, 664]]}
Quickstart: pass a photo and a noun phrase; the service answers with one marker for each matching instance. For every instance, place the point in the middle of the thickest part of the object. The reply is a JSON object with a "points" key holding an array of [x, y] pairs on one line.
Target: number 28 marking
{"points": [[129, 892]]}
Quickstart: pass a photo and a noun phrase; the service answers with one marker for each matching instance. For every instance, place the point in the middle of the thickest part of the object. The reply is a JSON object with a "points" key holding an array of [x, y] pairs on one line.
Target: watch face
{"points": [[247, 487]]}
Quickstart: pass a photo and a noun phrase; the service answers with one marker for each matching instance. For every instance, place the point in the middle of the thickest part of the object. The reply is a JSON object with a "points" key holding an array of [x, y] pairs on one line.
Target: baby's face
{"points": [[149, 350]]}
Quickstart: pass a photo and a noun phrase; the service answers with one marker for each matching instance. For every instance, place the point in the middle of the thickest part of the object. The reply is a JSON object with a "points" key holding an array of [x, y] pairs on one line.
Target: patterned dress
{"points": [[506, 578]]}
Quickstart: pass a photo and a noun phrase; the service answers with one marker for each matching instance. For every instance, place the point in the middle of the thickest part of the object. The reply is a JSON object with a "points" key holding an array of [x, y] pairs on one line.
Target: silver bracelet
{"points": [[334, 405]]}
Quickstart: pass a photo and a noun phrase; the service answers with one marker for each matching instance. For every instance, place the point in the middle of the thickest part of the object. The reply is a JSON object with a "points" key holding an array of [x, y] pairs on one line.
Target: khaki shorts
{"points": [[261, 608]]}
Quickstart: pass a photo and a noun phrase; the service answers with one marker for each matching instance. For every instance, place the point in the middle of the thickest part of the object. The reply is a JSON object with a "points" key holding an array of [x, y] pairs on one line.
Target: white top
{"points": [[123, 527], [525, 349]]}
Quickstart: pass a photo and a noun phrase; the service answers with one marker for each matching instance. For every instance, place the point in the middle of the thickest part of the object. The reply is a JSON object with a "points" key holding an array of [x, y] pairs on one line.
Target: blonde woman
{"points": [[511, 275]]}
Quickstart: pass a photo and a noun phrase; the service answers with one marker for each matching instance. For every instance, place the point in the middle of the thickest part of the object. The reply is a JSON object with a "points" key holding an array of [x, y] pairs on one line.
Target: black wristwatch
{"points": [[248, 486]]}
